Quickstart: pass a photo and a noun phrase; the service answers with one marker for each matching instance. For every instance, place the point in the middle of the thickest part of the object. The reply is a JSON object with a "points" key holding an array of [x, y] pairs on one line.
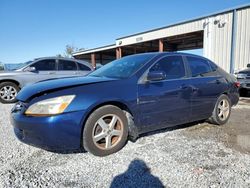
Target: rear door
{"points": [[207, 84], [165, 103], [67, 68]]}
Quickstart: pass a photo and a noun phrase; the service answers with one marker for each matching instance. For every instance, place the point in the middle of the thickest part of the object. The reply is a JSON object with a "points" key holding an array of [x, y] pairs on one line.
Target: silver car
{"points": [[38, 70], [243, 77]]}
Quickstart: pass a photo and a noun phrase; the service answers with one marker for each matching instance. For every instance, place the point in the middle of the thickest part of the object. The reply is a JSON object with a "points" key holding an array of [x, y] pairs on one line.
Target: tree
{"points": [[70, 49], [1, 66]]}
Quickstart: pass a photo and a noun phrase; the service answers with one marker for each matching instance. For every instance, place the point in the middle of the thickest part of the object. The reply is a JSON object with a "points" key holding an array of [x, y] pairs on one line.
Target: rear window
{"points": [[199, 66], [83, 67], [67, 65]]}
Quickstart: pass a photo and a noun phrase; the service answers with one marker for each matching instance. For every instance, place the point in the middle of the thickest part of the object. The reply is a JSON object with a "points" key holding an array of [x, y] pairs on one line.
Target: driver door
{"points": [[165, 102], [44, 69]]}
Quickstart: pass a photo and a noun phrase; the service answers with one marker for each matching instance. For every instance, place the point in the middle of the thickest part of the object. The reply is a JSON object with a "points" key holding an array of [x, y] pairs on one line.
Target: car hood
{"points": [[245, 71], [56, 84], [9, 73]]}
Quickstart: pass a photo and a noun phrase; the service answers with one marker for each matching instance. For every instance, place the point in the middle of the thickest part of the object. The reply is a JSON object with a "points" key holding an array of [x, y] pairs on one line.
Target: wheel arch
{"points": [[10, 80], [133, 132]]}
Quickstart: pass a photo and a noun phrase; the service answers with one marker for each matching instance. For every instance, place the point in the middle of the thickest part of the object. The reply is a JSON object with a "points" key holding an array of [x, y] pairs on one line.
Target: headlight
{"points": [[49, 107], [241, 76]]}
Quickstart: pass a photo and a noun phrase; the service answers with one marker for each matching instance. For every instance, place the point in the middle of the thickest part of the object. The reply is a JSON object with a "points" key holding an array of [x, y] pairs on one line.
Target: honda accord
{"points": [[121, 100]]}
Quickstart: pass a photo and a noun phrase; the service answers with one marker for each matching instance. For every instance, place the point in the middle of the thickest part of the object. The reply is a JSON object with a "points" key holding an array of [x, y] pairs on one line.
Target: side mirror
{"points": [[30, 69], [248, 65], [156, 76]]}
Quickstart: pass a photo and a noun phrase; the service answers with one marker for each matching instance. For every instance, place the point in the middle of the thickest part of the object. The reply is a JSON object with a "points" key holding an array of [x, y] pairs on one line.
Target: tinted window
{"points": [[45, 65], [173, 66], [83, 67], [123, 68], [198, 66], [66, 65]]}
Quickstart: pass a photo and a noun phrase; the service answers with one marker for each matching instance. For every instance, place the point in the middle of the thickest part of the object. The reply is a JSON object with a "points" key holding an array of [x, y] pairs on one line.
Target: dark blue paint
{"points": [[154, 105]]}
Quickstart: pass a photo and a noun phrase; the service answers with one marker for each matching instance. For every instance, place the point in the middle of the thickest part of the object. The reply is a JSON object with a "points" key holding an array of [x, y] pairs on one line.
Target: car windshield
{"points": [[123, 68]]}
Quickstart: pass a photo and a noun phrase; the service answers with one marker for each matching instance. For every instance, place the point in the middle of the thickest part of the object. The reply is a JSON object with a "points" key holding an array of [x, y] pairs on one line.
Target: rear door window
{"points": [[83, 67], [45, 65], [199, 66], [65, 65], [173, 66]]}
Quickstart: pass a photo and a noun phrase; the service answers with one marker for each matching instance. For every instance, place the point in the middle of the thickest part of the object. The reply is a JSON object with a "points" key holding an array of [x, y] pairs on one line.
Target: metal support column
{"points": [[93, 62], [161, 46], [233, 41]]}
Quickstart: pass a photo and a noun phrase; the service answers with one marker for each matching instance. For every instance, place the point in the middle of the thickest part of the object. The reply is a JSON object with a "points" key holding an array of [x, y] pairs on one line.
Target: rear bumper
{"points": [[234, 97], [56, 133], [244, 83]]}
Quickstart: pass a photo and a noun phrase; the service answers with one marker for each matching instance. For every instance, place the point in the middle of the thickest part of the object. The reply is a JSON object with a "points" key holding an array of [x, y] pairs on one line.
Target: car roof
{"points": [[65, 58], [54, 57], [173, 53]]}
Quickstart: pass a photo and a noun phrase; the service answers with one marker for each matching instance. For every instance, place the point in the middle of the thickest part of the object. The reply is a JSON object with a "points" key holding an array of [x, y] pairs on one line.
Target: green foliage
{"points": [[1, 66]]}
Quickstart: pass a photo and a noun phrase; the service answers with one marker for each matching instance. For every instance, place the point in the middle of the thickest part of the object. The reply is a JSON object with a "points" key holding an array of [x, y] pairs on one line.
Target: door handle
{"points": [[194, 89], [218, 82], [51, 72], [186, 87]]}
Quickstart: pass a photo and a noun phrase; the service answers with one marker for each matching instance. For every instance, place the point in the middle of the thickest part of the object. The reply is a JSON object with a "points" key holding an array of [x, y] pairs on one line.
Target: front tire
{"points": [[222, 111], [105, 131], [8, 92]]}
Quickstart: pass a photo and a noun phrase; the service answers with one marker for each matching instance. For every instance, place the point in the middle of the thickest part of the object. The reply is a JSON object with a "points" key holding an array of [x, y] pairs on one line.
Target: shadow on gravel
{"points": [[137, 175]]}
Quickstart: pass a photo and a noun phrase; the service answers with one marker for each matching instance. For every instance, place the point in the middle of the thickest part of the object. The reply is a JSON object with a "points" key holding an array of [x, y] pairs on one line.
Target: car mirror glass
{"points": [[156, 76], [30, 69]]}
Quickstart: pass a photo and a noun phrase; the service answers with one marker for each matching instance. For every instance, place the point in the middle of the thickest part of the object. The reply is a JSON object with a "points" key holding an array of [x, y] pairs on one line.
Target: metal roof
{"points": [[102, 48], [112, 46], [191, 20]]}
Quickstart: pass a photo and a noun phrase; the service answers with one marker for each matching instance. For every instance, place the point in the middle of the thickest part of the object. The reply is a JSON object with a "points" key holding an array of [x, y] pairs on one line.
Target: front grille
{"points": [[248, 85]]}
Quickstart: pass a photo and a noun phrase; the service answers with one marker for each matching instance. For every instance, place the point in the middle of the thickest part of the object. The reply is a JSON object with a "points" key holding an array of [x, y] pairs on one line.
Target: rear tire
{"points": [[105, 131], [222, 111], [8, 92]]}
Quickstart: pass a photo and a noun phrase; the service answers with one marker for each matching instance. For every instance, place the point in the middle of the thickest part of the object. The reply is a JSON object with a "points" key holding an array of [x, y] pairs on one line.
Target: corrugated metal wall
{"points": [[217, 39], [242, 47]]}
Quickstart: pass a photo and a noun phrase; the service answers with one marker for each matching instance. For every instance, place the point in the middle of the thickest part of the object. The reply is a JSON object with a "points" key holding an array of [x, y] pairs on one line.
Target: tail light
{"points": [[237, 84]]}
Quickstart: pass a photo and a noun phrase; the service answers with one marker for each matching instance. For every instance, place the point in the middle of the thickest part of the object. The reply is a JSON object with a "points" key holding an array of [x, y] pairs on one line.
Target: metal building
{"points": [[224, 37]]}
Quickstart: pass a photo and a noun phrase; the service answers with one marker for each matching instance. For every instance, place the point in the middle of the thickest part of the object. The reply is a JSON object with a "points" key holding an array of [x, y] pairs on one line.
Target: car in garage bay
{"points": [[243, 77]]}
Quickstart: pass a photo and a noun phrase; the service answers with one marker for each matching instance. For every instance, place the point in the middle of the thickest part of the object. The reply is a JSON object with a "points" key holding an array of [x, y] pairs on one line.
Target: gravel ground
{"points": [[201, 155]]}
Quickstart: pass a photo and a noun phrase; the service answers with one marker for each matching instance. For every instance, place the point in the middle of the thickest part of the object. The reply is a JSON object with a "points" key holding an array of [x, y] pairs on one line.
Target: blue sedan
{"points": [[121, 100]]}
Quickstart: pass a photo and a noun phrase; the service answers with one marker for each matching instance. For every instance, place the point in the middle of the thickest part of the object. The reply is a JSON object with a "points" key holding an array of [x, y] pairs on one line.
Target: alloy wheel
{"points": [[107, 131], [223, 109], [8, 93]]}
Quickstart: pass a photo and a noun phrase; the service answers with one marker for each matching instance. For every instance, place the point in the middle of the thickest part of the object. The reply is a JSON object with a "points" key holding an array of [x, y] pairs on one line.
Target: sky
{"points": [[39, 28]]}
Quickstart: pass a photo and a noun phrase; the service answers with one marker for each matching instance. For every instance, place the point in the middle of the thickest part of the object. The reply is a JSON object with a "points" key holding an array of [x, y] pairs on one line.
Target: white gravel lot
{"points": [[187, 157]]}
